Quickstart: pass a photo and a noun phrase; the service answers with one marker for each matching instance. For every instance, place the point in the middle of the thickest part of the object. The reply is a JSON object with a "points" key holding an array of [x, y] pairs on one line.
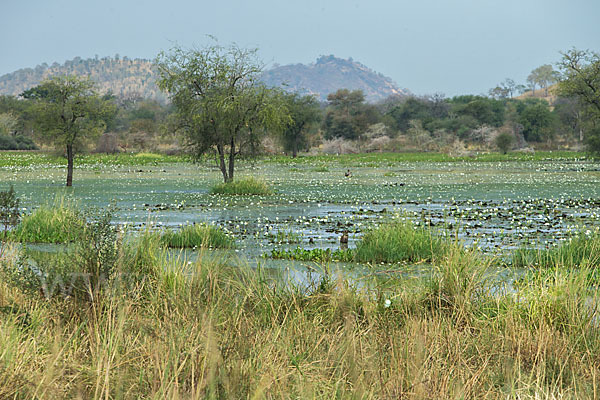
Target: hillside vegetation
{"points": [[129, 78]]}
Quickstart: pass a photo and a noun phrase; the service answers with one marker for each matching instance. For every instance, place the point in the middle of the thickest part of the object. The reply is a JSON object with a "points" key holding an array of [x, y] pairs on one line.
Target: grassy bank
{"points": [[208, 330]]}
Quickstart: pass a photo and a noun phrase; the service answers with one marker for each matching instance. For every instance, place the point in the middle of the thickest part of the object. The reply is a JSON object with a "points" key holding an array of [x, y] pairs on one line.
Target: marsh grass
{"points": [[198, 235], [243, 186], [582, 250], [208, 330], [400, 241], [60, 222]]}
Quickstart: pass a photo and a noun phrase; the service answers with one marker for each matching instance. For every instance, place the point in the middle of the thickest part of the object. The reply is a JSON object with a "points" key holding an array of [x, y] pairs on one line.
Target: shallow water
{"points": [[497, 206]]}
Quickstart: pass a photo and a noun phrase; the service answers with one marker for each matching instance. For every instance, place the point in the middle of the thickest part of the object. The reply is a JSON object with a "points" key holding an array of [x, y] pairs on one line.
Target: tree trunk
{"points": [[231, 159], [69, 165], [222, 162], [295, 148]]}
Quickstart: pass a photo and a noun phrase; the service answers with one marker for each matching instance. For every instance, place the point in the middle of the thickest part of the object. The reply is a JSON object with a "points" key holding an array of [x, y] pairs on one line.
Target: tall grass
{"points": [[400, 241], [207, 330], [582, 250], [198, 235], [60, 222], [243, 186]]}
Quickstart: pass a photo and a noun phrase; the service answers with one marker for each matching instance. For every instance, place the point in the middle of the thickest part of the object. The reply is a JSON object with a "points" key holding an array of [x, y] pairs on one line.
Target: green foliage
{"points": [[9, 208], [400, 241], [305, 113], [348, 116], [68, 110], [220, 101], [243, 186], [57, 223], [198, 235], [315, 255], [18, 142], [504, 142], [581, 251], [79, 271], [284, 236], [537, 120]]}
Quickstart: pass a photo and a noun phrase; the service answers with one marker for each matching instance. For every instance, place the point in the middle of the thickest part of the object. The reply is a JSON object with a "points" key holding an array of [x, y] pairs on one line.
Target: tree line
{"points": [[219, 105]]}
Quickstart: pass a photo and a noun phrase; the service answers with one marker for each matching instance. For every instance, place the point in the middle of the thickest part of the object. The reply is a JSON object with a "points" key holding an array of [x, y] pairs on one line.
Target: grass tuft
{"points": [[198, 235], [61, 222], [400, 241], [582, 250], [243, 186]]}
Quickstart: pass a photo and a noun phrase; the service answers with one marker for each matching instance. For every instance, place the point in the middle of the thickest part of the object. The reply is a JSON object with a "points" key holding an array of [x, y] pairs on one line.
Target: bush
{"points": [[504, 142], [243, 186], [18, 142], [198, 235]]}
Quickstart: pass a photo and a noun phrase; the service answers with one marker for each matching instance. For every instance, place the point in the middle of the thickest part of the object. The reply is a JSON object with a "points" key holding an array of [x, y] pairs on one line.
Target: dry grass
{"points": [[213, 331]]}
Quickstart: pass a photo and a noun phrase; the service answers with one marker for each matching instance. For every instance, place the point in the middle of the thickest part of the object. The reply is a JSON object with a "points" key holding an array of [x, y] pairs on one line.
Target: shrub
{"points": [[243, 186], [504, 142], [198, 235], [18, 142]]}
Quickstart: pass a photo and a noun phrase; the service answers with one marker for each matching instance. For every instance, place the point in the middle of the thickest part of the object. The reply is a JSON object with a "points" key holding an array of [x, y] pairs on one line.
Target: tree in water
{"points": [[221, 104], [68, 111]]}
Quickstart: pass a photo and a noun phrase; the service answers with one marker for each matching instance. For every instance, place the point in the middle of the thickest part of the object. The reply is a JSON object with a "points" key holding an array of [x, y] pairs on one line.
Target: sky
{"points": [[427, 46]]}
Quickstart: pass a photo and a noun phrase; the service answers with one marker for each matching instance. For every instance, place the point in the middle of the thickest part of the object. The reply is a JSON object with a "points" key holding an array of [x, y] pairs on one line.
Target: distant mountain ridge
{"points": [[126, 77], [329, 74]]}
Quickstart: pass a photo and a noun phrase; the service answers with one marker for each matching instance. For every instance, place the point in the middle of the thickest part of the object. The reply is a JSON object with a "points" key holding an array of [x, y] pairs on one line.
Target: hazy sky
{"points": [[448, 46]]}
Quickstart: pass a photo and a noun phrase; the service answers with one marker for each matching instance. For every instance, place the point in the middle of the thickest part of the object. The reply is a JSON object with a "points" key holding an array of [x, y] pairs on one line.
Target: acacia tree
{"points": [[67, 111], [580, 80], [305, 113], [221, 104]]}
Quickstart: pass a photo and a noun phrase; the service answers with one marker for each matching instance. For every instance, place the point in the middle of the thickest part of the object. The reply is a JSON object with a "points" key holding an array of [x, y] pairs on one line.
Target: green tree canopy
{"points": [[305, 113], [580, 80], [221, 104], [68, 111]]}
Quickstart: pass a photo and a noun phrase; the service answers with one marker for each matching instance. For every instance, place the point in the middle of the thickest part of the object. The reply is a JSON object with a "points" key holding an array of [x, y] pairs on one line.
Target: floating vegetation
{"points": [[315, 255]]}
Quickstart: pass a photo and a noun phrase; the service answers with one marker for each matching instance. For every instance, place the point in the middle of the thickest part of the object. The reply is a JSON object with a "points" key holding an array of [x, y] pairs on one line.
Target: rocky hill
{"points": [[328, 74], [125, 77]]}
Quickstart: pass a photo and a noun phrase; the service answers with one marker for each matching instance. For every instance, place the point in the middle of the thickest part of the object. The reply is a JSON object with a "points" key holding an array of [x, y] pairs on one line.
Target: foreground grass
{"points": [[166, 329], [242, 186], [198, 235], [582, 250]]}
